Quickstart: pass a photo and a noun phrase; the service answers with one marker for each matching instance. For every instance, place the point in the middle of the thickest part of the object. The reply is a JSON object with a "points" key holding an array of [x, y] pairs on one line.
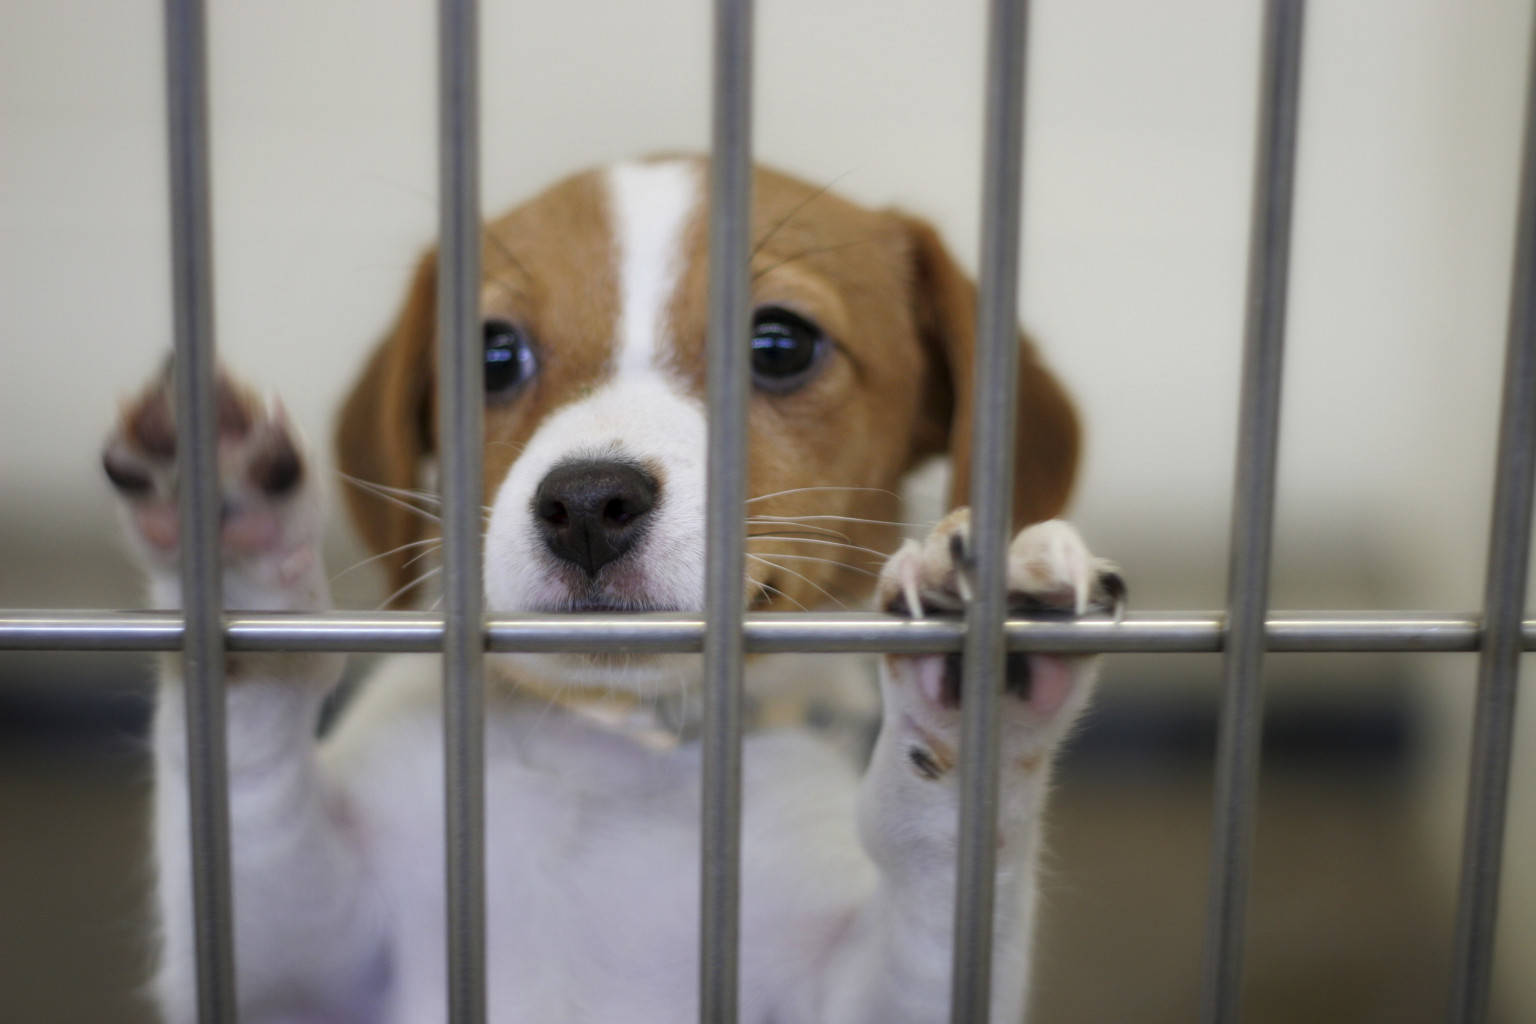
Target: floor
{"points": [[1342, 926]]}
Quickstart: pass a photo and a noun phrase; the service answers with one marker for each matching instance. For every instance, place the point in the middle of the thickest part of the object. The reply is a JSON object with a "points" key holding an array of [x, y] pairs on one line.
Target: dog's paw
{"points": [[1050, 572], [270, 514]]}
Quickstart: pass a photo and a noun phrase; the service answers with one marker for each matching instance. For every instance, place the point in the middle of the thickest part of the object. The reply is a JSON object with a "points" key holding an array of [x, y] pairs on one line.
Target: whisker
{"points": [[830, 544], [795, 211], [817, 251], [386, 554], [824, 487], [806, 529], [847, 519], [414, 583], [776, 590], [381, 492], [419, 556], [801, 575], [501, 247], [402, 492], [826, 561], [789, 535]]}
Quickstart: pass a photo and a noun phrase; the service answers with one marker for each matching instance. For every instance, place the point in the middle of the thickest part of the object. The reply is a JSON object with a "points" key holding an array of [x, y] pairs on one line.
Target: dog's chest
{"points": [[592, 862]]}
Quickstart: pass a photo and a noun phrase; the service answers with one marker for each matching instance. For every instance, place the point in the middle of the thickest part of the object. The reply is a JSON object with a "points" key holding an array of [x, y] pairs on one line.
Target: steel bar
{"points": [[460, 434], [1252, 514], [991, 456], [730, 225], [1509, 552], [195, 400], [399, 632]]}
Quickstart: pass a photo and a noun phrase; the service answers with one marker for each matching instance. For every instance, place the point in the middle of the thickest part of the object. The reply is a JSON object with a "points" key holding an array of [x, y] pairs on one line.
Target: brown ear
{"points": [[386, 430], [1047, 435]]}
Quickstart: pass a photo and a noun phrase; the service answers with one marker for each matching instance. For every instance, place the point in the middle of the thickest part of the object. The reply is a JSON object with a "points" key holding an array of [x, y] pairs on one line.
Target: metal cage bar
{"points": [[1509, 553], [995, 369], [730, 225], [1242, 715], [203, 632], [460, 432], [830, 632], [195, 399]]}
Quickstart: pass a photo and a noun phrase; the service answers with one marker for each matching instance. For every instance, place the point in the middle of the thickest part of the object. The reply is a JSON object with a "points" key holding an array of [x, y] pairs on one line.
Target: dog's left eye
{"points": [[786, 349], [510, 360]]}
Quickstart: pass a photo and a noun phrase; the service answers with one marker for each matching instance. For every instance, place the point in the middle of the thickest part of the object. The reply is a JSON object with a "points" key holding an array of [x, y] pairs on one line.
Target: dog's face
{"points": [[594, 300]]}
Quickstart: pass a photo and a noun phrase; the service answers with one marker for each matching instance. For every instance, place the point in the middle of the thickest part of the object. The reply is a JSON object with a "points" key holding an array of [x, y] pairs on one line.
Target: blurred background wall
{"points": [[1137, 176]]}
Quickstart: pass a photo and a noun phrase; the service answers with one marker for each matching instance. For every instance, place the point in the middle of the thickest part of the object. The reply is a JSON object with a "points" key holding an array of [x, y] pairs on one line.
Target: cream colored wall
{"points": [[1137, 180]]}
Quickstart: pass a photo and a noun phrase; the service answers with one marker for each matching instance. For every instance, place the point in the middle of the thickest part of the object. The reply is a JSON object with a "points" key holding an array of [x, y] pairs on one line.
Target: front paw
{"points": [[270, 518], [1050, 572]]}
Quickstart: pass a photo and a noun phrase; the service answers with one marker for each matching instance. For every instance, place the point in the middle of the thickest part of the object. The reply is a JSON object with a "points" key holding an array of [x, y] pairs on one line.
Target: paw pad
{"points": [[260, 465]]}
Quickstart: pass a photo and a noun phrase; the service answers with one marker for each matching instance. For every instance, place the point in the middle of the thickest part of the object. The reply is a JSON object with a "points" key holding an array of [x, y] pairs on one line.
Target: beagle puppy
{"points": [[594, 298]]}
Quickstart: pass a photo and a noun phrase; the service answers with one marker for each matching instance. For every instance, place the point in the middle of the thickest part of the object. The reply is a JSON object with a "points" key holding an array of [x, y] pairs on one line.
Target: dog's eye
{"points": [[786, 349], [509, 358]]}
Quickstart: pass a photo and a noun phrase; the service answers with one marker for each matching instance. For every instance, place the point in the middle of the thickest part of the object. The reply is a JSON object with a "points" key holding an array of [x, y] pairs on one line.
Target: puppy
{"points": [[594, 306]]}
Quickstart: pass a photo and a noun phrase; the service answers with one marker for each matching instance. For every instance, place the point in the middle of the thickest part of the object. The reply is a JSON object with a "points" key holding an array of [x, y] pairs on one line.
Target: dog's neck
{"points": [[657, 723]]}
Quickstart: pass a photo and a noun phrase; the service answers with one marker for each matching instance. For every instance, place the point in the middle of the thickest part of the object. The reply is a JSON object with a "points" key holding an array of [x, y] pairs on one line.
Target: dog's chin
{"points": [[644, 675]]}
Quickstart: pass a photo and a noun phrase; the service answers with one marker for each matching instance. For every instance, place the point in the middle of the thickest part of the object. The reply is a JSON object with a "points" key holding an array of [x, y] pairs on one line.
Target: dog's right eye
{"points": [[510, 361]]}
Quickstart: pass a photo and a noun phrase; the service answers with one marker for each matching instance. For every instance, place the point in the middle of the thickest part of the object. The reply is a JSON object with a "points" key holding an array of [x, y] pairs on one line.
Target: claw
{"points": [[1113, 585], [965, 565], [910, 590]]}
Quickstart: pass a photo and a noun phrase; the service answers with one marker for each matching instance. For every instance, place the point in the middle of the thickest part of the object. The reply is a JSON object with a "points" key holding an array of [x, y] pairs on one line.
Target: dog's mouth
{"points": [[595, 606], [621, 588]]}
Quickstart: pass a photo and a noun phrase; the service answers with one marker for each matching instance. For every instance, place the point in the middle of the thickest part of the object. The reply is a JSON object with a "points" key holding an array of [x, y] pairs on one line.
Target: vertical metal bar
{"points": [[1253, 513], [730, 224], [996, 369], [1509, 552], [186, 51], [460, 439]]}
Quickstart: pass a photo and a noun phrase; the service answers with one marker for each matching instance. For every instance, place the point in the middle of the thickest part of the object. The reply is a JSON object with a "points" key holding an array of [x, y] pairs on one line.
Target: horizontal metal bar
{"points": [[663, 632]]}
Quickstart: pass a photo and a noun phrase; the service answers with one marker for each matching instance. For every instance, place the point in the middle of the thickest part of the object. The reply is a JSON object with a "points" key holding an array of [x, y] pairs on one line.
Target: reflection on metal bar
{"points": [[832, 632], [730, 225], [1252, 514], [996, 369], [460, 434], [1509, 550], [186, 49]]}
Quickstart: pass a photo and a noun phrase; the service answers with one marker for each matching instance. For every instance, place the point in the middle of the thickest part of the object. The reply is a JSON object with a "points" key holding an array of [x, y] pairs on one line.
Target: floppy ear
{"points": [[386, 430], [1047, 435]]}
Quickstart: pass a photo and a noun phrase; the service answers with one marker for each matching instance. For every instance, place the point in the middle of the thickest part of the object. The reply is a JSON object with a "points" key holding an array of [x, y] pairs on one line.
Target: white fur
{"points": [[644, 420], [640, 419], [592, 853], [652, 204]]}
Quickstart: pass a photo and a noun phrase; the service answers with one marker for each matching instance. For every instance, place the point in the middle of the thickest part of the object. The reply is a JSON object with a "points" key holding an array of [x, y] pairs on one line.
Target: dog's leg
{"points": [[306, 932], [893, 963]]}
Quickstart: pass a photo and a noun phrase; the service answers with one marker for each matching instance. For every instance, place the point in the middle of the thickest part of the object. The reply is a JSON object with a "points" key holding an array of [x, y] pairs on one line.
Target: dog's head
{"points": [[594, 300]]}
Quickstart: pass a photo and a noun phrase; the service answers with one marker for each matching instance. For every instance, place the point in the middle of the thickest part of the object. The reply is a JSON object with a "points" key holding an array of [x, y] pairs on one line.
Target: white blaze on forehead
{"points": [[651, 204]]}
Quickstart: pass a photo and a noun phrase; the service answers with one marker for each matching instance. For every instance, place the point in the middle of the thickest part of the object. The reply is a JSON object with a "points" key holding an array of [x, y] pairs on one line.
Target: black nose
{"points": [[591, 512]]}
